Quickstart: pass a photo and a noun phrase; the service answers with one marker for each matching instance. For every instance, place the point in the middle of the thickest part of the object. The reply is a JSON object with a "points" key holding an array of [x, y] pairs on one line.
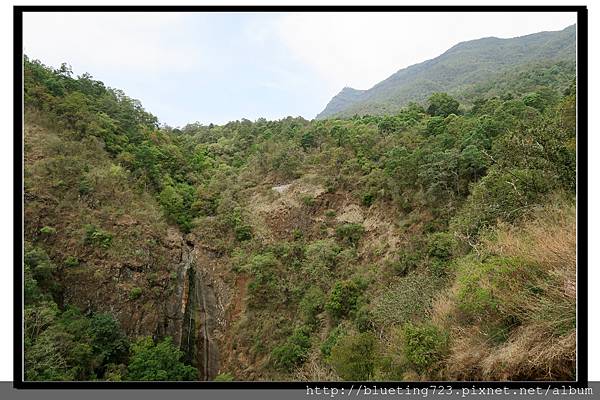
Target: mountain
{"points": [[466, 64], [430, 244]]}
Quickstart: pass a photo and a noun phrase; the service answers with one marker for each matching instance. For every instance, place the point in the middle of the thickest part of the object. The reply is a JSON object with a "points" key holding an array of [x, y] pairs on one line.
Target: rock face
{"points": [[158, 312], [200, 318], [137, 273]]}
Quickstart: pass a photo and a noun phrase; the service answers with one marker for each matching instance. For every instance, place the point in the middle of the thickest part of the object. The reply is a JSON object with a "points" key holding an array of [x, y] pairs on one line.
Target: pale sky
{"points": [[218, 67]]}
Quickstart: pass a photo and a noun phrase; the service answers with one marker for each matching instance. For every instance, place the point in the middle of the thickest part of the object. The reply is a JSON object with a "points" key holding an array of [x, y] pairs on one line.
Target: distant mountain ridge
{"points": [[465, 64]]}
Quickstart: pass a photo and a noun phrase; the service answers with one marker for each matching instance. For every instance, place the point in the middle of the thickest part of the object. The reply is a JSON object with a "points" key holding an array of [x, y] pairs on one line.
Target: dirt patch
{"points": [[351, 214], [237, 303], [281, 188], [278, 212]]}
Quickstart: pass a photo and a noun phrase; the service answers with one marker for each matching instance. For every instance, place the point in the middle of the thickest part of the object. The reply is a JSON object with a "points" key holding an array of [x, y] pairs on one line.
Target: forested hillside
{"points": [[437, 242], [485, 66]]}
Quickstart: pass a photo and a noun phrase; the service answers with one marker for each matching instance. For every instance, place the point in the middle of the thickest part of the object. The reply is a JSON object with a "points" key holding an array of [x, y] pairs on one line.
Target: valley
{"points": [[425, 231]]}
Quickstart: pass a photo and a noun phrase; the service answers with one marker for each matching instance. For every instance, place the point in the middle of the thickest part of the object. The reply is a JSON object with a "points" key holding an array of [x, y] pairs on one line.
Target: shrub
{"points": [[321, 257], [363, 319], [442, 104], [308, 200], [424, 345], [97, 236], [367, 199], [312, 304], [353, 357], [114, 372], [439, 267], [308, 140], [153, 279], [265, 287], [292, 353], [406, 299], [323, 252], [71, 345], [224, 377], [179, 204], [331, 340], [243, 232], [110, 342], [473, 299], [504, 196], [48, 230], [135, 293], [345, 298], [441, 246], [404, 262], [241, 229], [41, 271], [71, 261], [393, 365], [436, 126], [496, 291], [350, 233], [158, 362], [85, 186], [297, 234]]}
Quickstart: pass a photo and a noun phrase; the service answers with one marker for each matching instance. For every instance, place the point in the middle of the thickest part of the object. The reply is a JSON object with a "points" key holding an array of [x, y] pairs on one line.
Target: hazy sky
{"points": [[217, 67]]}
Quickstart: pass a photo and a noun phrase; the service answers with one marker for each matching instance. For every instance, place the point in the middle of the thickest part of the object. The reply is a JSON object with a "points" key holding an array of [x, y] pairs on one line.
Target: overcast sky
{"points": [[217, 67]]}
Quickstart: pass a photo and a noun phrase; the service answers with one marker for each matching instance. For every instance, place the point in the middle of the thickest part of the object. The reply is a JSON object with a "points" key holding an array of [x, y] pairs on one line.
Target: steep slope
{"points": [[463, 65], [373, 248], [342, 101], [113, 249]]}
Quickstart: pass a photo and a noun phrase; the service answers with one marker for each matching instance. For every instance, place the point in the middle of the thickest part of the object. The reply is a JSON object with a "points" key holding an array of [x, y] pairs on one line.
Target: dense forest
{"points": [[434, 243]]}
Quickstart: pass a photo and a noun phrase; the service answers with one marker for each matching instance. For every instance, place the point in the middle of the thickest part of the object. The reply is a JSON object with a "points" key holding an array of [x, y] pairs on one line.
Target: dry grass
{"points": [[538, 291], [314, 369], [548, 240], [549, 243]]}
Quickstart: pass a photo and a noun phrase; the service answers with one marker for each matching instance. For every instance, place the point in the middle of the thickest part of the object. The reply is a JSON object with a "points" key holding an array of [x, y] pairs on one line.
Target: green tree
{"points": [[345, 297], [108, 340], [294, 351], [424, 345], [353, 357], [178, 203], [441, 104], [161, 361], [350, 233]]}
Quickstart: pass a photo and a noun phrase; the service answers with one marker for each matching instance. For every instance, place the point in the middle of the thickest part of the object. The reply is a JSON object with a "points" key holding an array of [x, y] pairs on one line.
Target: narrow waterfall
{"points": [[197, 340]]}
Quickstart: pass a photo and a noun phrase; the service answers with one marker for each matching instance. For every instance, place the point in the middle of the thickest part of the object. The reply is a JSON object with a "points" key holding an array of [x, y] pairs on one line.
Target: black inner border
{"points": [[582, 194]]}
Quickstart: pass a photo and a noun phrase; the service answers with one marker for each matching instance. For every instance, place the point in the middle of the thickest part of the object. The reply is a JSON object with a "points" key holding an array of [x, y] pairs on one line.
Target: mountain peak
{"points": [[346, 97], [464, 64]]}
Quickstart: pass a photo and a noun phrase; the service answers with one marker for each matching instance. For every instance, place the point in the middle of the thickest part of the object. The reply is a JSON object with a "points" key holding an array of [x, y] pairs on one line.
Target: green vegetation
{"points": [[158, 362], [433, 241], [48, 230], [345, 298], [224, 377], [442, 105], [404, 262], [135, 293], [424, 345], [485, 67], [350, 233], [331, 341], [66, 344], [294, 351], [353, 357], [312, 305], [96, 236]]}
